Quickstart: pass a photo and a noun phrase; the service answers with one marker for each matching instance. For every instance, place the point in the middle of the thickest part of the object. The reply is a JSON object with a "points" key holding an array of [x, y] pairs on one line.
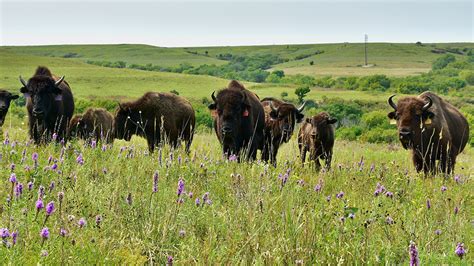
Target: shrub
{"points": [[374, 83], [376, 119], [443, 61], [349, 133], [468, 76], [379, 135]]}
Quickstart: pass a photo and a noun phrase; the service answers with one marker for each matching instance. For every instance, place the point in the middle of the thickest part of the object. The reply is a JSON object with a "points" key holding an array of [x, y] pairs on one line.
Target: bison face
{"points": [[286, 116], [128, 122], [76, 126], [42, 92], [319, 123], [411, 114], [231, 110], [5, 99]]}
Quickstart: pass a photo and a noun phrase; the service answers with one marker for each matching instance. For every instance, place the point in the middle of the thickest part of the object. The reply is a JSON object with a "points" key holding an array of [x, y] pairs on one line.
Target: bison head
{"points": [[43, 91], [411, 113], [5, 99], [319, 123], [76, 126], [286, 116], [128, 122], [232, 109]]}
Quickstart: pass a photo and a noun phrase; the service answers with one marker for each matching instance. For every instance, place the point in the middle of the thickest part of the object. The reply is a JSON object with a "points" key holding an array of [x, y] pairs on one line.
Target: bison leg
{"points": [[418, 162], [328, 159], [302, 152], [273, 153]]}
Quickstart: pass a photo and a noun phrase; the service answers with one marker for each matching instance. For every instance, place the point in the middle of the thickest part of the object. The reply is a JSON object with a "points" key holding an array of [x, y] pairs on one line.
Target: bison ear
{"points": [[299, 117], [308, 120], [23, 90], [332, 120], [212, 106], [273, 114], [427, 115], [392, 115], [14, 97]]}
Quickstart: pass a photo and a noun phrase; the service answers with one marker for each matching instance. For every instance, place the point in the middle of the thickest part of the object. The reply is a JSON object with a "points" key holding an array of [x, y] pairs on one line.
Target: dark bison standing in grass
{"points": [[95, 123], [280, 121], [316, 135], [432, 128], [50, 105], [156, 116], [239, 120], [5, 99]]}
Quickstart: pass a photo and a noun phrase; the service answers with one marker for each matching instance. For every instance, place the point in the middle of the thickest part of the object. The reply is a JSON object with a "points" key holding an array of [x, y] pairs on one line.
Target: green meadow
{"points": [[118, 204]]}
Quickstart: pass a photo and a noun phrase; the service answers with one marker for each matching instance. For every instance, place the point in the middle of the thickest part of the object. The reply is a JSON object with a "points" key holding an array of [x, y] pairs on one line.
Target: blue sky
{"points": [[210, 23]]}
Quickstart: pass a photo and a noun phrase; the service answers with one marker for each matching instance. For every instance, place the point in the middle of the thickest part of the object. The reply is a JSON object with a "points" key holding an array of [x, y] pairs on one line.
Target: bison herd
{"points": [[430, 127]]}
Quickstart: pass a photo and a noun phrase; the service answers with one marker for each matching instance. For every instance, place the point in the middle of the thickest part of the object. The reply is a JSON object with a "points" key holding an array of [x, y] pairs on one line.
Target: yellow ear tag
{"points": [[428, 121], [393, 122]]}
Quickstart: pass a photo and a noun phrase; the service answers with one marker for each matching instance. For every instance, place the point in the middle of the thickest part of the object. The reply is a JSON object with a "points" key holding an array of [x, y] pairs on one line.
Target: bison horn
{"points": [[390, 101], [300, 109], [59, 81], [22, 81], [428, 104], [273, 107], [213, 97]]}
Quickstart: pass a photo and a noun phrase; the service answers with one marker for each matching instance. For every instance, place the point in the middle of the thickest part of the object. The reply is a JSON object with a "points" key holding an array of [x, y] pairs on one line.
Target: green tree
{"points": [[301, 93], [443, 61]]}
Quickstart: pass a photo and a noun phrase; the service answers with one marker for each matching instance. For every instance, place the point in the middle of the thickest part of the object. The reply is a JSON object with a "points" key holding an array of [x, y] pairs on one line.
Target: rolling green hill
{"points": [[342, 59]]}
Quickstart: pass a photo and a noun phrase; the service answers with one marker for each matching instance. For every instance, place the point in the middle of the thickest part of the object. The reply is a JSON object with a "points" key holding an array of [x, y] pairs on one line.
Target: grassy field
{"points": [[110, 213], [252, 216], [89, 81], [343, 59]]}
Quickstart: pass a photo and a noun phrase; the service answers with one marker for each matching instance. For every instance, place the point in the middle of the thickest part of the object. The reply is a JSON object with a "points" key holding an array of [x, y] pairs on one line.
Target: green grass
{"points": [[252, 218], [342, 59], [89, 81]]}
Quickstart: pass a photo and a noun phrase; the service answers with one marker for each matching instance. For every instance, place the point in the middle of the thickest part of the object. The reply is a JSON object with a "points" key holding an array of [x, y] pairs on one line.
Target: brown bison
{"points": [[280, 121], [432, 128], [316, 135], [239, 120], [156, 116], [50, 105], [5, 99], [95, 123]]}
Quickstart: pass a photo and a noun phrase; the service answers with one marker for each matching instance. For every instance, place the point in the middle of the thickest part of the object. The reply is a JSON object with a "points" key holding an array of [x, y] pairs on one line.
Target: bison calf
{"points": [[316, 135], [280, 121], [5, 99], [95, 123], [432, 128], [156, 116]]}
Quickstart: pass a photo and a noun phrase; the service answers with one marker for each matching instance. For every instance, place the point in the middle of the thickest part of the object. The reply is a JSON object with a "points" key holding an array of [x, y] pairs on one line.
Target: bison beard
{"points": [[5, 99], [238, 121], [157, 117], [433, 129], [280, 121], [50, 105]]}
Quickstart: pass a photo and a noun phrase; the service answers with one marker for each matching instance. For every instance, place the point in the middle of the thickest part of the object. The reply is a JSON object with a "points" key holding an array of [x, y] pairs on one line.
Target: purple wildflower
{"points": [[155, 182], [300, 182], [49, 208], [190, 195], [39, 204], [14, 237], [457, 178], [351, 215], [104, 147], [414, 260], [170, 260], [4, 233], [438, 232], [44, 253], [44, 233], [197, 201], [233, 158], [340, 195], [60, 196], [80, 159], [62, 232], [456, 210], [41, 191], [51, 186], [30, 186], [93, 144], [54, 166], [50, 159], [389, 194], [182, 233], [12, 167], [180, 187], [82, 222], [444, 188], [205, 197], [19, 189], [318, 187], [389, 220], [428, 204], [328, 198], [34, 156], [460, 251], [55, 136], [13, 178]]}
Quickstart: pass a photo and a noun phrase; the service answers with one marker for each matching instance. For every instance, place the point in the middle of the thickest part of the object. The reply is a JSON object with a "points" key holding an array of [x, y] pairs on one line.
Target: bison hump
{"points": [[234, 84], [43, 71]]}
